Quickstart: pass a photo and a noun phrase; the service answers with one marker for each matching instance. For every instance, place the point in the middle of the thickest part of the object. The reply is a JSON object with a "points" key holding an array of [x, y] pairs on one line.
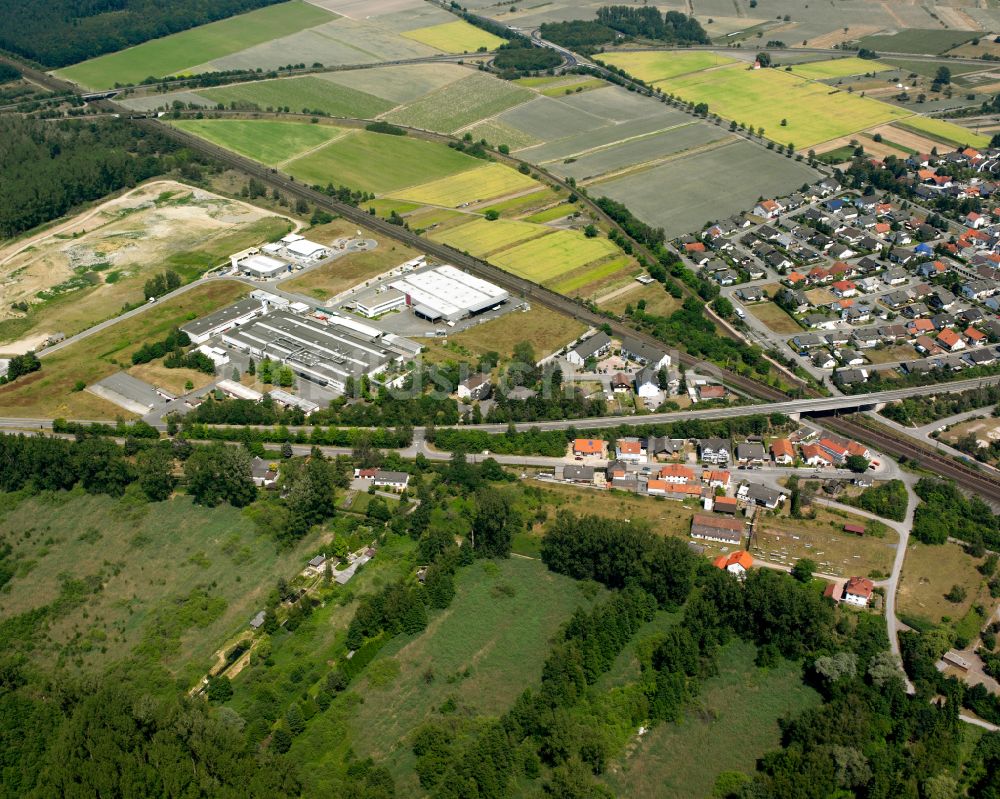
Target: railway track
{"points": [[980, 484]]}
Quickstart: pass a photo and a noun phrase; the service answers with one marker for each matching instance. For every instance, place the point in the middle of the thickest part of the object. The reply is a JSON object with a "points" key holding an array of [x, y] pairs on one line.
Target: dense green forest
{"points": [[578, 34], [649, 23], [47, 168], [63, 32]]}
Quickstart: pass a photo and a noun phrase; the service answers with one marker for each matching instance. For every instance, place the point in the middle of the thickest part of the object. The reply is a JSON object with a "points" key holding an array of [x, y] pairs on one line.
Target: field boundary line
{"points": [[611, 145], [647, 165], [342, 135]]}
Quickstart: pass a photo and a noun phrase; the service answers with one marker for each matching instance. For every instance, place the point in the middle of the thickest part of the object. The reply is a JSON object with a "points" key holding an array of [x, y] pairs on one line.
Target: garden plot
{"points": [[83, 271], [461, 103], [343, 41], [682, 195], [174, 54], [399, 84], [307, 94], [486, 182], [639, 151], [455, 37]]}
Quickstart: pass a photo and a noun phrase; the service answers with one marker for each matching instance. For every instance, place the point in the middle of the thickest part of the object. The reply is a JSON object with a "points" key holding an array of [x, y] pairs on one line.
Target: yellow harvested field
{"points": [[811, 112], [475, 185], [947, 132], [653, 65], [554, 255], [481, 237], [455, 37], [836, 68]]}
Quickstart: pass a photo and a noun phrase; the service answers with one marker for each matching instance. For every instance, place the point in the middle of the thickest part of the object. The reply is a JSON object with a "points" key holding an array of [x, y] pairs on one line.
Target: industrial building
{"points": [[379, 301], [324, 352], [300, 247], [263, 267], [201, 330], [448, 294]]}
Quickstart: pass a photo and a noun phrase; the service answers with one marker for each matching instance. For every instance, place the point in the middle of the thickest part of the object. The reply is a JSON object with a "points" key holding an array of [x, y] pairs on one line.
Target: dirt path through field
{"points": [[311, 150]]}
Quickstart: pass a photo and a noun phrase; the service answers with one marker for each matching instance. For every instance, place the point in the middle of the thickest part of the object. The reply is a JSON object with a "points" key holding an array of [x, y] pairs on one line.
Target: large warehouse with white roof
{"points": [[448, 293]]}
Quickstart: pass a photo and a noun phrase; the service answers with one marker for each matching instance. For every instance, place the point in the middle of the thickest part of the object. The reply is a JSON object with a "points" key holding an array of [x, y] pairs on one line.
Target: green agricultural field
{"points": [[656, 65], [946, 132], [591, 275], [928, 68], [150, 557], [172, 54], [733, 722], [555, 212], [455, 37], [481, 237], [915, 40], [379, 163], [837, 68], [268, 141], [303, 94], [813, 111], [461, 103], [552, 256], [473, 185]]}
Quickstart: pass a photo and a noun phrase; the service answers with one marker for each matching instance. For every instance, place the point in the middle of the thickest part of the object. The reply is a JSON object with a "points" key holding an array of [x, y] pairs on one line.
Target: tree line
{"points": [[47, 168], [648, 23], [63, 32]]}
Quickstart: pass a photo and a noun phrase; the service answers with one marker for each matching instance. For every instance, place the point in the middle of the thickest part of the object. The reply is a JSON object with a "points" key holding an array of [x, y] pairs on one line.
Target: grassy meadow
{"points": [[171, 55], [656, 65], [149, 558], [733, 722], [945, 132]]}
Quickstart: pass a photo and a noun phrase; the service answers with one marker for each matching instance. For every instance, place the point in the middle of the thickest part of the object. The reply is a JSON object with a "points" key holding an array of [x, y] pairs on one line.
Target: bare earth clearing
{"points": [[104, 256]]}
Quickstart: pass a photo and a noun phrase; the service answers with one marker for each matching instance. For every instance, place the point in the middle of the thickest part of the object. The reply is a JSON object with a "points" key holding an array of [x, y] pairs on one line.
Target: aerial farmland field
{"points": [[474, 185], [931, 42], [307, 93], [379, 163], [455, 37], [267, 141], [399, 84], [639, 151], [554, 255], [481, 237], [461, 103], [174, 54], [655, 65], [947, 132], [837, 68], [706, 186], [813, 112]]}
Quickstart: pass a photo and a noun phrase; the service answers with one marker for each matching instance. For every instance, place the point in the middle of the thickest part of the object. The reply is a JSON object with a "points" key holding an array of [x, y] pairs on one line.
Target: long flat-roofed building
{"points": [[262, 266], [325, 353], [448, 293], [201, 330]]}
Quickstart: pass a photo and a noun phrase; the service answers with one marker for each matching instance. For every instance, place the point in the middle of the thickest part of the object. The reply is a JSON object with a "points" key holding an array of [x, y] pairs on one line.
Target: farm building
{"points": [[325, 353], [448, 293], [713, 528]]}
